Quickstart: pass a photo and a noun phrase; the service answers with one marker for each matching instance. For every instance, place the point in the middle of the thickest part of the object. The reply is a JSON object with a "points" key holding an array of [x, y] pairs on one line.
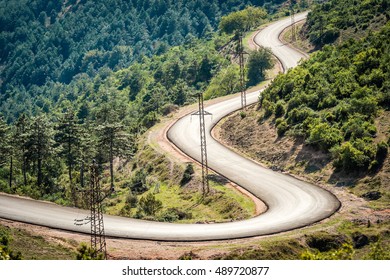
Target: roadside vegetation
{"points": [[348, 240], [335, 110]]}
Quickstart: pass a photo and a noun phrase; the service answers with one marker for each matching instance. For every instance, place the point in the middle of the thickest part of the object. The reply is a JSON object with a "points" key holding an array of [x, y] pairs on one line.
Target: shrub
{"points": [[268, 108], [279, 109], [149, 205], [174, 214], [350, 158], [382, 150], [138, 182], [281, 126], [187, 175], [168, 108], [298, 115], [324, 136], [131, 200], [323, 241], [85, 252]]}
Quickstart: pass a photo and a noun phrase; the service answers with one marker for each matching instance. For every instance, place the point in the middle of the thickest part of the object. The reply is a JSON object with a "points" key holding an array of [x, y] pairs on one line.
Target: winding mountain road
{"points": [[291, 203]]}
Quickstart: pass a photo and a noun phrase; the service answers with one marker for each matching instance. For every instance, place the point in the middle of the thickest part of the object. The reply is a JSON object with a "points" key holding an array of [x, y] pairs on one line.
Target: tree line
{"points": [[35, 151]]}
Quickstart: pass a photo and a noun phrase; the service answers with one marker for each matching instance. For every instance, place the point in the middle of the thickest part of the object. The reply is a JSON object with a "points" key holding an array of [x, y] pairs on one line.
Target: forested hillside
{"points": [[48, 42], [51, 132], [333, 99], [90, 116], [342, 19]]}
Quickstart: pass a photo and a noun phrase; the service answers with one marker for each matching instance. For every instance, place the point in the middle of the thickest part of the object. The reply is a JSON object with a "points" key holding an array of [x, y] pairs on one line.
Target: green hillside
{"points": [[45, 44], [338, 20], [333, 98]]}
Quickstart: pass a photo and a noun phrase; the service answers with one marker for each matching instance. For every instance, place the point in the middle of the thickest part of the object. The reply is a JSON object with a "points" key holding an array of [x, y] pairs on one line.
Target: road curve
{"points": [[269, 37], [291, 203]]}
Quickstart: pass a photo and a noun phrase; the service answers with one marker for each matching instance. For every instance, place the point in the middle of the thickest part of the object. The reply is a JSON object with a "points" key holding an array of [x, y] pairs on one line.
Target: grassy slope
{"points": [[35, 247], [224, 203]]}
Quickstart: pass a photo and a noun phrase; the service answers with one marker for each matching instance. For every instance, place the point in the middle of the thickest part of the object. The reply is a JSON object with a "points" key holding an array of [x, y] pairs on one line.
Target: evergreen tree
{"points": [[20, 144], [113, 142], [41, 147], [6, 151], [86, 150], [5, 140], [68, 137]]}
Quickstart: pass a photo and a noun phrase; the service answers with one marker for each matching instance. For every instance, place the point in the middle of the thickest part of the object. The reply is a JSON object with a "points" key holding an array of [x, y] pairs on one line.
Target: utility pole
{"points": [[96, 197], [203, 146], [98, 239], [242, 71], [293, 29]]}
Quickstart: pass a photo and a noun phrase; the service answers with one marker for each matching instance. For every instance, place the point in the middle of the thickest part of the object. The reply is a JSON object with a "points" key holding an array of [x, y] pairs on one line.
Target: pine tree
{"points": [[5, 140], [40, 146], [86, 150], [113, 141], [6, 148], [21, 139], [68, 137]]}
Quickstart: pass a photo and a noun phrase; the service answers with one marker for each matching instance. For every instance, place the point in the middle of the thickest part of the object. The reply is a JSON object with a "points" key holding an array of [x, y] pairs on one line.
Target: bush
{"points": [[324, 136], [299, 115], [174, 214], [350, 158], [281, 126], [279, 109], [138, 182], [168, 108], [382, 150], [85, 252], [131, 200], [150, 119], [268, 108], [5, 252], [323, 241], [187, 175], [149, 205]]}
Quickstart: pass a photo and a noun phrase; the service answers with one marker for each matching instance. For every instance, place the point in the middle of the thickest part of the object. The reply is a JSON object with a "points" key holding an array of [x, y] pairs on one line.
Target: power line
{"points": [[293, 29], [96, 197], [98, 239], [203, 146], [242, 71]]}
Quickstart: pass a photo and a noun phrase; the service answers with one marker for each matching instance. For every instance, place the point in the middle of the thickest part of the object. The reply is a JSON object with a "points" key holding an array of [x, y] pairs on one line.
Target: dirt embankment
{"points": [[258, 140]]}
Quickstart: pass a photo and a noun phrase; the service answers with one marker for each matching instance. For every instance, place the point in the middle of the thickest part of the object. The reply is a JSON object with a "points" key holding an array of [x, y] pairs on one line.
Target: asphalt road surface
{"points": [[291, 203]]}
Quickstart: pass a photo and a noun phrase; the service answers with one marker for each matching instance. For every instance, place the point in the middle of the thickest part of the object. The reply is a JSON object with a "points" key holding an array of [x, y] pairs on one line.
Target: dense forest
{"points": [[48, 42]]}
